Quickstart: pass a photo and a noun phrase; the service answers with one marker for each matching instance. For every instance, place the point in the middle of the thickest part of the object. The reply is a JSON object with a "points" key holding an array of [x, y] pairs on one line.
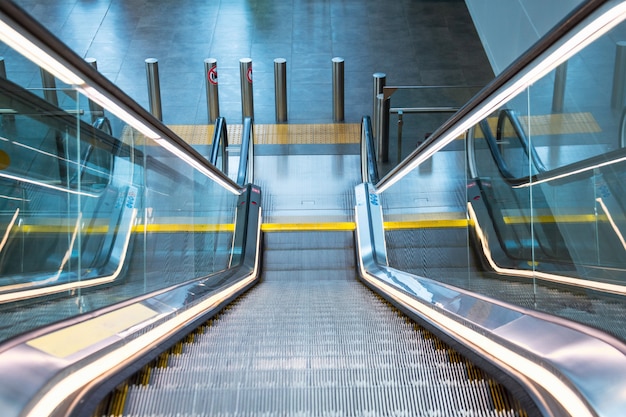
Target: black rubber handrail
{"points": [[492, 144], [369, 168], [219, 144], [512, 117], [246, 158]]}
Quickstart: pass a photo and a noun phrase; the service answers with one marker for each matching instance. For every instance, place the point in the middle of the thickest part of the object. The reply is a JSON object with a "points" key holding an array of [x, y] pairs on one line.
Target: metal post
{"points": [[94, 108], [400, 124], [3, 74], [3, 68], [212, 96], [379, 85], [280, 89], [382, 135], [338, 89], [558, 96], [619, 76], [154, 89], [49, 87], [245, 78]]}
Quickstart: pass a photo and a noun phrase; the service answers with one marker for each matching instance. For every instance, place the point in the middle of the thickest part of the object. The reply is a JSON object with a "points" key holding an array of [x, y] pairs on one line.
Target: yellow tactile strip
{"points": [[276, 134], [552, 124], [350, 133]]}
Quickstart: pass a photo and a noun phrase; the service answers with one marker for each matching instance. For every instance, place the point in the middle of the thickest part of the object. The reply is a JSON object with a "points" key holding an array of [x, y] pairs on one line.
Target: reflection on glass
{"points": [[93, 213], [543, 200]]}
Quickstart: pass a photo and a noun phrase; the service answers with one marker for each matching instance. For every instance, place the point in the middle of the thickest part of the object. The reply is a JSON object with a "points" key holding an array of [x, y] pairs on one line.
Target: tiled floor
{"points": [[415, 42]]}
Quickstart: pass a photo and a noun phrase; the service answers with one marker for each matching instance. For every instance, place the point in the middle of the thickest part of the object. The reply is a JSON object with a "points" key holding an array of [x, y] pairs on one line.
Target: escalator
{"points": [[223, 319], [309, 339]]}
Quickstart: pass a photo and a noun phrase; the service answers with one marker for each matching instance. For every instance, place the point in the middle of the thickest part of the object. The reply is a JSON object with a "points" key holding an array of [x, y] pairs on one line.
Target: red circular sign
{"points": [[212, 75], [249, 75]]}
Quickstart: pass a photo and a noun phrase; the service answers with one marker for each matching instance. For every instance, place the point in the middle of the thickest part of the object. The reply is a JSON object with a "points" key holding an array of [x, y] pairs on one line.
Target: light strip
{"points": [[45, 185], [570, 173], [37, 55], [9, 227], [101, 99], [38, 292], [567, 398], [198, 166], [82, 376], [531, 274], [40, 57], [619, 234], [602, 24]]}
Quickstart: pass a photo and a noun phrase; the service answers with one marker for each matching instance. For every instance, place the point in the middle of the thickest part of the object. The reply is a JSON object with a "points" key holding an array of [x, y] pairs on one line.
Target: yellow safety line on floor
{"points": [[140, 228], [181, 228], [307, 227], [426, 224], [564, 218], [424, 221]]}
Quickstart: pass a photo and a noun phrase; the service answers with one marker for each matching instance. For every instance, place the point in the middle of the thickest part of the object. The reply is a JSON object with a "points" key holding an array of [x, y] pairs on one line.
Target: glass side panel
{"points": [[543, 198], [92, 213], [426, 220]]}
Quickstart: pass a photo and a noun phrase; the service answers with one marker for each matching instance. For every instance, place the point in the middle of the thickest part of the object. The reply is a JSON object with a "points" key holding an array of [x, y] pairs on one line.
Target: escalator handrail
{"points": [[521, 73], [101, 90], [511, 115], [492, 144], [220, 144], [550, 344], [369, 168], [565, 173], [39, 370], [246, 158]]}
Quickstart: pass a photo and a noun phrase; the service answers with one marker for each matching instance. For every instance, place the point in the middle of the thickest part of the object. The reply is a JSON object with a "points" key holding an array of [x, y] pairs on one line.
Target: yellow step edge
{"points": [[426, 224], [303, 227]]}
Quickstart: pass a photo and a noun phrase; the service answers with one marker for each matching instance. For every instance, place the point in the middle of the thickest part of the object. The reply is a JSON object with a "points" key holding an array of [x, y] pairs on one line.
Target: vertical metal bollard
{"points": [[3, 68], [379, 84], [280, 89], [558, 95], [154, 88], [382, 134], [3, 74], [212, 96], [49, 85], [245, 79], [400, 124], [338, 89], [94, 108], [619, 76]]}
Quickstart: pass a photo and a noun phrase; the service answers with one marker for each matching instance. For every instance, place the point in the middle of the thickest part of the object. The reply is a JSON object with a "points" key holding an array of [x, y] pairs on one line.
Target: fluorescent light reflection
{"points": [[30, 50], [8, 231], [38, 292], [531, 274], [23, 45], [45, 185], [570, 173], [619, 234]]}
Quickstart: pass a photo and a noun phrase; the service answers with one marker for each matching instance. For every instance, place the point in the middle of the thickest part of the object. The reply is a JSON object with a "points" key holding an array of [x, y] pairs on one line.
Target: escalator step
{"points": [[313, 347]]}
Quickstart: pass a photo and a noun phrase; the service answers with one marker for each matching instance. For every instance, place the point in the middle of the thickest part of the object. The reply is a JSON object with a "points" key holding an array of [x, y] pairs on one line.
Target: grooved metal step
{"points": [[312, 345]]}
